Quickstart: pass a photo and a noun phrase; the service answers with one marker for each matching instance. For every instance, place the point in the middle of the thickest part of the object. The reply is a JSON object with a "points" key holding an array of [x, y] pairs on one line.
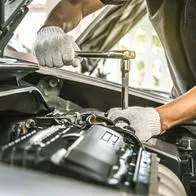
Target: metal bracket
{"points": [[7, 33]]}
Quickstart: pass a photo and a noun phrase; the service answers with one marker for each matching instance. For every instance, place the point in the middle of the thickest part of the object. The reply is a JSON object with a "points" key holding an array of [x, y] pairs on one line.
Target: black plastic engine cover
{"points": [[96, 153]]}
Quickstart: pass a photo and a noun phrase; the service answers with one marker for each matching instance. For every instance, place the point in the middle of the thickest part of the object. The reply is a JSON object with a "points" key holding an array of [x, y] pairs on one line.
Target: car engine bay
{"points": [[51, 134]]}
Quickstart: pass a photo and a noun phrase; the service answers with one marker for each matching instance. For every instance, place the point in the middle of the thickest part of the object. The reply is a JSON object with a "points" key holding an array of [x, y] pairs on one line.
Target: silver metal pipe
{"points": [[125, 68]]}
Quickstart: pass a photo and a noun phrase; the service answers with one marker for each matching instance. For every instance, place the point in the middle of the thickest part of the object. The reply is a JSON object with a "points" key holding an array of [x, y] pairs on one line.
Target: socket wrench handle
{"points": [[116, 54]]}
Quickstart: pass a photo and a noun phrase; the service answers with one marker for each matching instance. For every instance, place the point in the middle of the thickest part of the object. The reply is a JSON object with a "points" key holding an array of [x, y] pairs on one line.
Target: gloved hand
{"points": [[54, 48], [145, 121]]}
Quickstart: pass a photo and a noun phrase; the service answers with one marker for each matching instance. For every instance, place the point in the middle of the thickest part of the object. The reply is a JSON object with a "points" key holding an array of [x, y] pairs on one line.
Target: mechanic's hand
{"points": [[145, 121], [54, 48]]}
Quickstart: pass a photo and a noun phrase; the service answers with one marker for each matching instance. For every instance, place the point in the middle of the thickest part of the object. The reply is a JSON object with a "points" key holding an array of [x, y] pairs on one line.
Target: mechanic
{"points": [[173, 21]]}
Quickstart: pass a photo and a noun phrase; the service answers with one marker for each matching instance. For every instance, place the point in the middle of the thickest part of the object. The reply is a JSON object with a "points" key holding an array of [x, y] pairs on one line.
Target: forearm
{"points": [[179, 110], [68, 13]]}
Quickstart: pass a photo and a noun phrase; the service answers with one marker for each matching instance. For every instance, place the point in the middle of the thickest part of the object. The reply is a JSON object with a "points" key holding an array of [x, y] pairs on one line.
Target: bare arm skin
{"points": [[179, 110], [68, 13]]}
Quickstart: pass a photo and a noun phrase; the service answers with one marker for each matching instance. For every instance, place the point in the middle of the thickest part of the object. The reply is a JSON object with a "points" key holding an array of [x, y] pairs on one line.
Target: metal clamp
{"points": [[125, 56]]}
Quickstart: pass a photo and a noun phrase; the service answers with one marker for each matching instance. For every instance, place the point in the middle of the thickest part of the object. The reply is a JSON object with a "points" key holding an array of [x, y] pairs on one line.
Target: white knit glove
{"points": [[145, 121], [54, 48]]}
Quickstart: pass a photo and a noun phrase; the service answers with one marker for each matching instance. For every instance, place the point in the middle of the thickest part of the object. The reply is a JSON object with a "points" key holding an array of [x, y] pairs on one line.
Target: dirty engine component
{"points": [[90, 147]]}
